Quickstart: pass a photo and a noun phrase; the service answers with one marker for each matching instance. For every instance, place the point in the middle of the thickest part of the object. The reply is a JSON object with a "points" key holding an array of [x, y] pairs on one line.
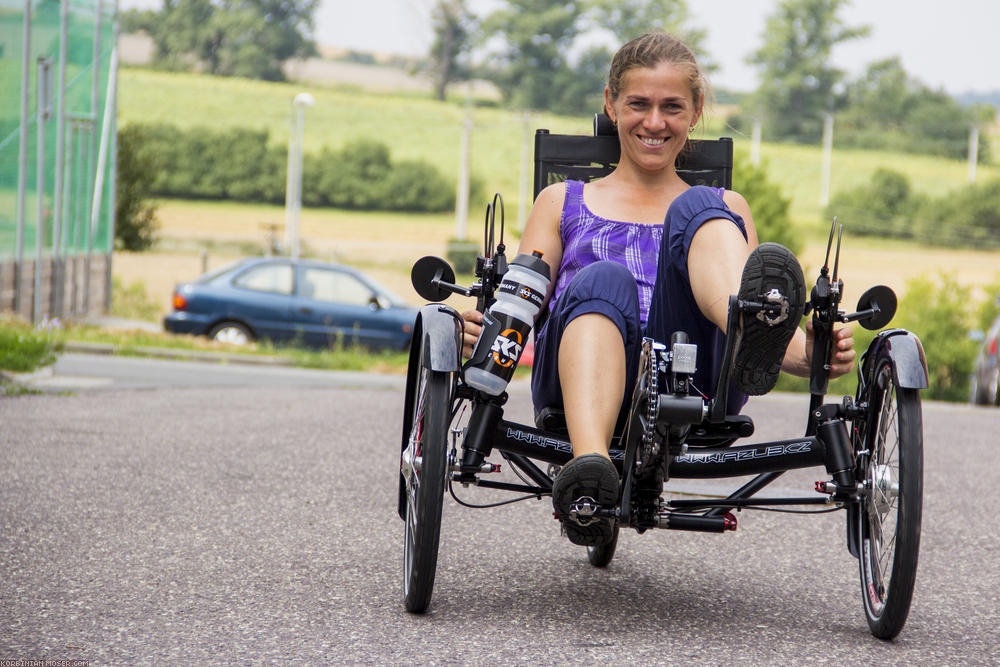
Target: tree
{"points": [[454, 26], [768, 203], [628, 19], [250, 38], [135, 217], [798, 85], [536, 36], [887, 109]]}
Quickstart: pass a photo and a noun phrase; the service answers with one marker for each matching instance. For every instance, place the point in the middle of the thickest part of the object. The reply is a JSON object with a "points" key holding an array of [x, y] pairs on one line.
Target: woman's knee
{"points": [[603, 277], [605, 285]]}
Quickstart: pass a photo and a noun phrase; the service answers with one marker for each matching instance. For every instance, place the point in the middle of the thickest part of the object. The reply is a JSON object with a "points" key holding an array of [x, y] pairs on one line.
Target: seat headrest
{"points": [[603, 127]]}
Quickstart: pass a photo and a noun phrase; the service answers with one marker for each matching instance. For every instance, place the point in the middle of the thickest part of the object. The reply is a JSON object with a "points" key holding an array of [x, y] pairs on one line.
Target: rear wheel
{"points": [[424, 465], [601, 555], [889, 525]]}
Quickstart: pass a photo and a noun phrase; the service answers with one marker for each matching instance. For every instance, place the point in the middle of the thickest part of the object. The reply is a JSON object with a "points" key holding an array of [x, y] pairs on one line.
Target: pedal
{"points": [[583, 510], [775, 308]]}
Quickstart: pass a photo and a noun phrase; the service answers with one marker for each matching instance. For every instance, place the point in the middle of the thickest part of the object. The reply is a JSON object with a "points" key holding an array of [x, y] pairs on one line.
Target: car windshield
{"points": [[212, 275]]}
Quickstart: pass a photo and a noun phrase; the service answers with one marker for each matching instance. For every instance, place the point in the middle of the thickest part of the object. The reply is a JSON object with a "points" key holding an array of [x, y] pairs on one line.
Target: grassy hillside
{"points": [[415, 127]]}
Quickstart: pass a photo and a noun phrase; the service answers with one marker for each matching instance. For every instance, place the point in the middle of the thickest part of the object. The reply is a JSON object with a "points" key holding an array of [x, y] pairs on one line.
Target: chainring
{"points": [[644, 410]]}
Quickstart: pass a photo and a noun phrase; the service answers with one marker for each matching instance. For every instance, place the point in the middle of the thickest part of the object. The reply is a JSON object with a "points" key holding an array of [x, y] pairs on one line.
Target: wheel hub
{"points": [[886, 488]]}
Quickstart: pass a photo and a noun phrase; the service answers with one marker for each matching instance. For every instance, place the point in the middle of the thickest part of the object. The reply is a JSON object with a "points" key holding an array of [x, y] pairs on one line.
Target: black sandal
{"points": [[771, 275]]}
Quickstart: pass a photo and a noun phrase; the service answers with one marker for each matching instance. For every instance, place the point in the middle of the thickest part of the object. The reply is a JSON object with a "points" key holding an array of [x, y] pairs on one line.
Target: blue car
{"points": [[986, 376], [291, 301]]}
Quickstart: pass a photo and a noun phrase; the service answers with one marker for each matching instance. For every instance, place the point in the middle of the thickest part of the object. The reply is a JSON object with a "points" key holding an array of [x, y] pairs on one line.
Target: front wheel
{"points": [[424, 466], [233, 333], [889, 525]]}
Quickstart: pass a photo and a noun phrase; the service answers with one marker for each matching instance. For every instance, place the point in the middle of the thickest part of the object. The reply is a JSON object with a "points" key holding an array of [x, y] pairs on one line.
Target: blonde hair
{"points": [[651, 49]]}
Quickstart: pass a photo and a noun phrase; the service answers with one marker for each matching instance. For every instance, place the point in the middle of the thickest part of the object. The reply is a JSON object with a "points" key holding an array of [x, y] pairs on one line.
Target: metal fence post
{"points": [[56, 293], [44, 83], [22, 155]]}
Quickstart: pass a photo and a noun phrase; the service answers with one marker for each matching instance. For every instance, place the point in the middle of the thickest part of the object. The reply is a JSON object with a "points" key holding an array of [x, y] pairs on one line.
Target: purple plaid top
{"points": [[589, 238]]}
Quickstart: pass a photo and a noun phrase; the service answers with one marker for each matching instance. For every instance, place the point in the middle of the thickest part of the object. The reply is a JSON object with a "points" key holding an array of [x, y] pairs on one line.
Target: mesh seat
{"points": [[560, 157]]}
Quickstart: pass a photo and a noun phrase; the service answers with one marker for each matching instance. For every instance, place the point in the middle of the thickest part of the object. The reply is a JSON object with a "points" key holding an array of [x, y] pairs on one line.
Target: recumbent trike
{"points": [[870, 445]]}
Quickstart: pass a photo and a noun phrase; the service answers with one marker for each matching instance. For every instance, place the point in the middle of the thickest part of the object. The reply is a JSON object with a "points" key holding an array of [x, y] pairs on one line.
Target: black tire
{"points": [[425, 483], [601, 555], [231, 332], [889, 525], [977, 393]]}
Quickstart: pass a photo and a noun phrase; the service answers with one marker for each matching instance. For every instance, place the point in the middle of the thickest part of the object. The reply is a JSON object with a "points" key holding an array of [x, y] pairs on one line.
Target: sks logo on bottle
{"points": [[506, 348]]}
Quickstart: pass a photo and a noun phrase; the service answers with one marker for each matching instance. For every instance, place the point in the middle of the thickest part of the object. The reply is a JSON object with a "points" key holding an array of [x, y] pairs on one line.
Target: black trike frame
{"points": [[697, 436], [710, 454]]}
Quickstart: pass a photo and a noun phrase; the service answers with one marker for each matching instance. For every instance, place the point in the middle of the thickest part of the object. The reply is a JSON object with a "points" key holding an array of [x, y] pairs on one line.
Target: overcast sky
{"points": [[951, 45]]}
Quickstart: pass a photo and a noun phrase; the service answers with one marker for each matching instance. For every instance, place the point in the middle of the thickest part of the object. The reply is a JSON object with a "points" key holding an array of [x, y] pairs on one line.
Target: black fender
{"points": [[909, 364], [438, 330]]}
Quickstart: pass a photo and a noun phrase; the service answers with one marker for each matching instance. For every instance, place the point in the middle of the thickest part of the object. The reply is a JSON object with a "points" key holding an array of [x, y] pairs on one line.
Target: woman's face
{"points": [[655, 110]]}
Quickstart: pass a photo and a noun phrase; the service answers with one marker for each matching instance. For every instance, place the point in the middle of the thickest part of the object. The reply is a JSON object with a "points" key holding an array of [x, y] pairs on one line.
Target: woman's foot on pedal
{"points": [[771, 276], [584, 484]]}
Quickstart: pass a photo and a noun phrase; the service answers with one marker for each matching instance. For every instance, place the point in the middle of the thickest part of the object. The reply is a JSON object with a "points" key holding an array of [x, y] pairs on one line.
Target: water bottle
{"points": [[507, 323]]}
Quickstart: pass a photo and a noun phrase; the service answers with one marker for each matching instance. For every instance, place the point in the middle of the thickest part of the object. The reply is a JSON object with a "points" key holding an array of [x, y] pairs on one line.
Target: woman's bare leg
{"points": [[592, 376]]}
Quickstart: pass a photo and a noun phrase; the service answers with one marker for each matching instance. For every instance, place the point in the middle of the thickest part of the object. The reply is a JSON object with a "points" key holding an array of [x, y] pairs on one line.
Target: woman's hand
{"points": [[472, 324], [841, 350]]}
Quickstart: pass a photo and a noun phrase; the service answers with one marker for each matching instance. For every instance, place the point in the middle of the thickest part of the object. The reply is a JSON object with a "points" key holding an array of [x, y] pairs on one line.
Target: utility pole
{"points": [[523, 198], [462, 194], [293, 183], [973, 152], [755, 143], [824, 193]]}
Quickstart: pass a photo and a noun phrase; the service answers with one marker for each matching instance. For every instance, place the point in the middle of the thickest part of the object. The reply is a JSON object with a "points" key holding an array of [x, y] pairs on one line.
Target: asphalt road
{"points": [[225, 523]]}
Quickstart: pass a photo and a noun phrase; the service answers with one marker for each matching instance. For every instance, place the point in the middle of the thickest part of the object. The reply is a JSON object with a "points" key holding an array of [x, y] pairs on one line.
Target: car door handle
{"points": [[306, 310]]}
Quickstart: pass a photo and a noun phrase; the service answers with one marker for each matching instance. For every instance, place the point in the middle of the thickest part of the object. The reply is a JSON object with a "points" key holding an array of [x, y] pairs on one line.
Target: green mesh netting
{"points": [[85, 98]]}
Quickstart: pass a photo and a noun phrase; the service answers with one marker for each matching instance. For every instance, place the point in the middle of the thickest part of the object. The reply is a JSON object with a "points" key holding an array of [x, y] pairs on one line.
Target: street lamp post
{"points": [[293, 184]]}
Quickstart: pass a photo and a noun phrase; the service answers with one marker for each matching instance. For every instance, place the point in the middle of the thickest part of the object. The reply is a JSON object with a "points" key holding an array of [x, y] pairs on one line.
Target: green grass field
{"points": [[419, 128]]}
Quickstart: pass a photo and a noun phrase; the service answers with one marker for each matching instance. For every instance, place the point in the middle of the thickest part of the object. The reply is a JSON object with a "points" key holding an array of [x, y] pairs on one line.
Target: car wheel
{"points": [[993, 392], [977, 394], [231, 332]]}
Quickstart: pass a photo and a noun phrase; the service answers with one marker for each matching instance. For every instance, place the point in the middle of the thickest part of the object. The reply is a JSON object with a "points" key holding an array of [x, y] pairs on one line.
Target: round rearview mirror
{"points": [[881, 300], [425, 271]]}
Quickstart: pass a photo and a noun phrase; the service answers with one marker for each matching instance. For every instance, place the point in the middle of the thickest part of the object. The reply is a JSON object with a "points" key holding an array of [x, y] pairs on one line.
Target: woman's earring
{"points": [[691, 129], [614, 124]]}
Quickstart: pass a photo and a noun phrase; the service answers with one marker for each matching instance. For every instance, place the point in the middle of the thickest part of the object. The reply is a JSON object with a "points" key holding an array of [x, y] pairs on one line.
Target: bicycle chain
{"points": [[649, 448]]}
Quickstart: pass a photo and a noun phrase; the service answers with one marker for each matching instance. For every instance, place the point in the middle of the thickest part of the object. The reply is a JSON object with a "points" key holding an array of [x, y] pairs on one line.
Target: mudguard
{"points": [[437, 327], [440, 326], [909, 370], [909, 365]]}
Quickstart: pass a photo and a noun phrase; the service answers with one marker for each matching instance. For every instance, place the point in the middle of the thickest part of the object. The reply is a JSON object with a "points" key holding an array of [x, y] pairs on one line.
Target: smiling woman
{"points": [[640, 253]]}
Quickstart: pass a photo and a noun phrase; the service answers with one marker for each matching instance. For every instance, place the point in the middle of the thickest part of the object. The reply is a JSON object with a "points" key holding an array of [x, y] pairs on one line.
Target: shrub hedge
{"points": [[239, 164], [887, 206]]}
